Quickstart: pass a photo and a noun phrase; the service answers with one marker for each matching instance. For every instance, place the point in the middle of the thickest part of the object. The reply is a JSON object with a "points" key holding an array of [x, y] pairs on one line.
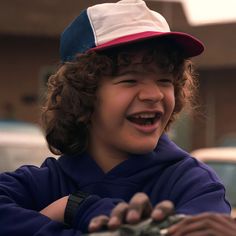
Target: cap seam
{"points": [[92, 26]]}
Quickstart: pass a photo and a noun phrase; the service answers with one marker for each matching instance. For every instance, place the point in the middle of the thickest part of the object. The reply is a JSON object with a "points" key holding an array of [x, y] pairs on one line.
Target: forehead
{"points": [[142, 60], [141, 69], [136, 61], [161, 54], [144, 51]]}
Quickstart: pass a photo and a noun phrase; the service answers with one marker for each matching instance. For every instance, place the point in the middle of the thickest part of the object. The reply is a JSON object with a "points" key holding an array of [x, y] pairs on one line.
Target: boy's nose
{"points": [[150, 92]]}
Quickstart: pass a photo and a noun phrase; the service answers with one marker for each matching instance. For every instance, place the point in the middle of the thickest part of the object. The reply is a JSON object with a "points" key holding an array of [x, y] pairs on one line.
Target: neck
{"points": [[105, 157]]}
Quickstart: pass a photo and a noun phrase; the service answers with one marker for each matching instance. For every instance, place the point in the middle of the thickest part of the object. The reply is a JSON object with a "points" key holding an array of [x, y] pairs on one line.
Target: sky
{"points": [[200, 12], [210, 11]]}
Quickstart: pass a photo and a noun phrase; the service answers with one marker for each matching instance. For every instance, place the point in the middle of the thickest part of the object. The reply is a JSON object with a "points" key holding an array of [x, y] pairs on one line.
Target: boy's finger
{"points": [[97, 223], [140, 208], [163, 210], [118, 215]]}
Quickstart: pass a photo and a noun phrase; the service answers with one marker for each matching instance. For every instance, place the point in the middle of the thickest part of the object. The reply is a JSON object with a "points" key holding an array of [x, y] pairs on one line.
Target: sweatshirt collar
{"points": [[84, 170]]}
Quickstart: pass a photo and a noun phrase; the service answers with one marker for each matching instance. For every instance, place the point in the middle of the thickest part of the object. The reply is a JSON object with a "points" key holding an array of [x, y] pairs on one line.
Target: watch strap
{"points": [[74, 202]]}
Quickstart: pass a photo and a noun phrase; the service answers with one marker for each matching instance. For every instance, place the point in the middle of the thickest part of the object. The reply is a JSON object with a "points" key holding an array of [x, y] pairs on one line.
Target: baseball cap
{"points": [[107, 25]]}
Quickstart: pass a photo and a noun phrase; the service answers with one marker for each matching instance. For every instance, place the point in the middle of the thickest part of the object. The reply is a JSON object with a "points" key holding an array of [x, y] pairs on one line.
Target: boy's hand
{"points": [[138, 209], [204, 224]]}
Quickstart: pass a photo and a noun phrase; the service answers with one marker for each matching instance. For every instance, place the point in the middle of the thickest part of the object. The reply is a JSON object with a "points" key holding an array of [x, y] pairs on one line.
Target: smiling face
{"points": [[132, 110]]}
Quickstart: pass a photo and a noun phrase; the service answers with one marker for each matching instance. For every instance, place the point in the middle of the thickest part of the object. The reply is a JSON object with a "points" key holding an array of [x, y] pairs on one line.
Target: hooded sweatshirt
{"points": [[167, 173]]}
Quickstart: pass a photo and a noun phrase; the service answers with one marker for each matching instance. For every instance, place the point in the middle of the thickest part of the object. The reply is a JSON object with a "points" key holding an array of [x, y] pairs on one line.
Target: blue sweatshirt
{"points": [[166, 173]]}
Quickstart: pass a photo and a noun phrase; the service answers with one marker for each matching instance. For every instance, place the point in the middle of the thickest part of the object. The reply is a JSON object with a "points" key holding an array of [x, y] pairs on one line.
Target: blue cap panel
{"points": [[78, 37]]}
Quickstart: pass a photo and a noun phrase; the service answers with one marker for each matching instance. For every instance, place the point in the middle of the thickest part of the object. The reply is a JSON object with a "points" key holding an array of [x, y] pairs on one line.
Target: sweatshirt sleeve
{"points": [[198, 189], [92, 207], [16, 214]]}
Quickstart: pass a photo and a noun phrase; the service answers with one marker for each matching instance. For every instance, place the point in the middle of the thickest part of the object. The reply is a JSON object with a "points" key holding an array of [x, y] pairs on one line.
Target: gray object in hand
{"points": [[144, 228]]}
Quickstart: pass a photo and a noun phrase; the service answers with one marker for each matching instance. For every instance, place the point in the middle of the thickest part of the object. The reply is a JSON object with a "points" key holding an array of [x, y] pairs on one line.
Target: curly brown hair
{"points": [[72, 89]]}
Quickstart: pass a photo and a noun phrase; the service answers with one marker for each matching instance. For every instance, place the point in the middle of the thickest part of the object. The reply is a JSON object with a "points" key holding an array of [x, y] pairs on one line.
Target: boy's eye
{"points": [[130, 81], [166, 80], [127, 81]]}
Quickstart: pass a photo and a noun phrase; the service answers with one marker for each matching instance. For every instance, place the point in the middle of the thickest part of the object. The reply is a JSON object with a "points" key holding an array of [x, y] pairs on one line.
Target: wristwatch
{"points": [[74, 202]]}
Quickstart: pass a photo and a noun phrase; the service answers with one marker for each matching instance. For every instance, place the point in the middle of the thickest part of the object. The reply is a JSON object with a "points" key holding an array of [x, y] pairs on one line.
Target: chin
{"points": [[144, 149], [141, 146]]}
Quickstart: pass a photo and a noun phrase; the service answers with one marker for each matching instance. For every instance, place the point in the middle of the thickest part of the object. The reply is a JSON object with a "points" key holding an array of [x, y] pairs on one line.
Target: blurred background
{"points": [[29, 46]]}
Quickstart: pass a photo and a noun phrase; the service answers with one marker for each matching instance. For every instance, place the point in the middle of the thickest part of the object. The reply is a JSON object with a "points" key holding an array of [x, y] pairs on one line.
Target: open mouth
{"points": [[144, 118]]}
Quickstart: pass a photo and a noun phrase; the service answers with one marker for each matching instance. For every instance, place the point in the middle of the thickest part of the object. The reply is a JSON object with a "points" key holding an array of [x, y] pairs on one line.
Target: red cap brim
{"points": [[190, 45]]}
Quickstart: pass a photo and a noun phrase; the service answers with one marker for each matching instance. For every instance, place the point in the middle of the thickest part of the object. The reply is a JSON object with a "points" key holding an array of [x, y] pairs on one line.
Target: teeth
{"points": [[145, 115]]}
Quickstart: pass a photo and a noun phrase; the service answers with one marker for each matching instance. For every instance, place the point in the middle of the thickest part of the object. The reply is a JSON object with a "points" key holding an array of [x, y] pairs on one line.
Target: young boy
{"points": [[123, 80]]}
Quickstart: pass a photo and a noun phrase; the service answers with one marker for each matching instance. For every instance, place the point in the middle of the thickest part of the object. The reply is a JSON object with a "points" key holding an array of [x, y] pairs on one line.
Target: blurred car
{"points": [[223, 161], [21, 143]]}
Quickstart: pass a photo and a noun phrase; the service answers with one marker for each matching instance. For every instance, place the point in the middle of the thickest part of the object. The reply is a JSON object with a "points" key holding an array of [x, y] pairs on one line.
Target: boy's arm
{"points": [[18, 208], [16, 214], [91, 207], [138, 209], [195, 188], [56, 210], [204, 224]]}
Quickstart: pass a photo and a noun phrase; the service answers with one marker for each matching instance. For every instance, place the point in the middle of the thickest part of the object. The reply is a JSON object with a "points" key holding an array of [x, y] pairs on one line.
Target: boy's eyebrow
{"points": [[128, 71], [140, 71], [136, 69]]}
